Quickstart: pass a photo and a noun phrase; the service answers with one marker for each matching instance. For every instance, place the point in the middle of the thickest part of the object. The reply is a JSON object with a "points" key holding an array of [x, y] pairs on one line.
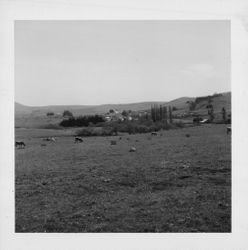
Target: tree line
{"points": [[82, 121], [161, 113]]}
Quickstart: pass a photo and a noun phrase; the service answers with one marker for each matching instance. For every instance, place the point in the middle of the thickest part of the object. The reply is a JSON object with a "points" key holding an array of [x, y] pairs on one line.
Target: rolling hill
{"points": [[95, 109], [35, 116]]}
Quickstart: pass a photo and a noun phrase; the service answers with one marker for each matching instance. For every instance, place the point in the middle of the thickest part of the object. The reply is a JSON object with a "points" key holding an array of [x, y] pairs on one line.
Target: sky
{"points": [[103, 62]]}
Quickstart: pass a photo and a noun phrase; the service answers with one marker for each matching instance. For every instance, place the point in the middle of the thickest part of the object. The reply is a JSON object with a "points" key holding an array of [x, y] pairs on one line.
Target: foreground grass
{"points": [[172, 183]]}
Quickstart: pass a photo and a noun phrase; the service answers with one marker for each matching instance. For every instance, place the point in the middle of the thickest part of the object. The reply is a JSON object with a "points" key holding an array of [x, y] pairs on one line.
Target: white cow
{"points": [[132, 149]]}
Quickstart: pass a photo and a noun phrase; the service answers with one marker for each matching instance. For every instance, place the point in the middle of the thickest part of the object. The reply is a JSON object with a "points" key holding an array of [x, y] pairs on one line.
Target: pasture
{"points": [[171, 183]]}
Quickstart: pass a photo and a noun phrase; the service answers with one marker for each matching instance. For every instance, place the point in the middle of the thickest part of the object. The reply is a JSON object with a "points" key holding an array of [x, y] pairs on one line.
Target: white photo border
{"points": [[235, 11]]}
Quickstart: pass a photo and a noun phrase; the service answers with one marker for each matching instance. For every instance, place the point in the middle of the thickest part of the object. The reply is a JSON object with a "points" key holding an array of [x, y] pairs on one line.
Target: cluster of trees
{"points": [[210, 112], [82, 121], [226, 119], [161, 113], [67, 113], [192, 105], [50, 114], [126, 112]]}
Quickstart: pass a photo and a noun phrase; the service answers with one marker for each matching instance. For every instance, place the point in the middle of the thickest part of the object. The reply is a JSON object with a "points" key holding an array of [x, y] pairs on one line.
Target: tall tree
{"points": [[161, 112], [152, 113], [210, 112], [170, 114], [223, 114], [165, 115], [155, 113]]}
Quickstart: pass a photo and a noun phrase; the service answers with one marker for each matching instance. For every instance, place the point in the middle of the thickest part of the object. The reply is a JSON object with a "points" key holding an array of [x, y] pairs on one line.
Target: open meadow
{"points": [[176, 181]]}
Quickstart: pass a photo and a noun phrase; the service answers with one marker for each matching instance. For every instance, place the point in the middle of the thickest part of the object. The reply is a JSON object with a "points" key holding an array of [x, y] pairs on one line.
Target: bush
{"points": [[96, 131], [179, 124], [142, 129], [67, 113], [82, 121], [131, 127]]}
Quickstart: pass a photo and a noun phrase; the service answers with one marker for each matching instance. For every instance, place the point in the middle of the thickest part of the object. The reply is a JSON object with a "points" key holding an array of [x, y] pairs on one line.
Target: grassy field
{"points": [[172, 183]]}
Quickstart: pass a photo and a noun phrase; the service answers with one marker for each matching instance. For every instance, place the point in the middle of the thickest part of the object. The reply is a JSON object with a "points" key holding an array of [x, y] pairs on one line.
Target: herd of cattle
{"points": [[78, 139]]}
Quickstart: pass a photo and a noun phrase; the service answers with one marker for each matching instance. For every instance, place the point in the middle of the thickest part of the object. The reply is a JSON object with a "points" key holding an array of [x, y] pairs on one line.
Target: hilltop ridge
{"points": [[26, 116]]}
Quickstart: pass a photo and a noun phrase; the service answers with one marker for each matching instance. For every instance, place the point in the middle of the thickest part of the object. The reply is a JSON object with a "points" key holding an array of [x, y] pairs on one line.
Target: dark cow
{"points": [[113, 143], [20, 144], [228, 130], [197, 120], [52, 139], [154, 133], [78, 139]]}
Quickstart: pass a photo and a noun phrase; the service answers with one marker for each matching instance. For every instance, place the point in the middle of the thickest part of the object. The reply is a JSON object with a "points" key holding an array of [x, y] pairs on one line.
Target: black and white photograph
{"points": [[122, 126]]}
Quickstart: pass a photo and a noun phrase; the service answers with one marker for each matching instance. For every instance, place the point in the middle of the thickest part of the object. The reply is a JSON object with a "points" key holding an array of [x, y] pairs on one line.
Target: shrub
{"points": [[179, 124], [82, 121], [142, 129], [67, 113], [131, 127], [96, 131]]}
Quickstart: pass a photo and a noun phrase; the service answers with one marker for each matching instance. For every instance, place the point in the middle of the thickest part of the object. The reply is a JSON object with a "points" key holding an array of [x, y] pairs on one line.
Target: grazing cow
{"points": [[197, 120], [20, 144], [228, 130], [49, 139], [78, 139], [113, 143], [154, 133], [120, 138], [132, 149]]}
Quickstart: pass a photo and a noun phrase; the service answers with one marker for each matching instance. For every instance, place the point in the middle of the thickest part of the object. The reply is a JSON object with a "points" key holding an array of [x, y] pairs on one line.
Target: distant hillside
{"points": [[218, 103], [93, 109], [180, 103], [81, 109], [26, 116], [22, 109]]}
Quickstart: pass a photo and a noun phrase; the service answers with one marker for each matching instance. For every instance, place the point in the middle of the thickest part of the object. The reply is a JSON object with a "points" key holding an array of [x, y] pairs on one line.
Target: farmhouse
{"points": [[205, 121], [113, 115]]}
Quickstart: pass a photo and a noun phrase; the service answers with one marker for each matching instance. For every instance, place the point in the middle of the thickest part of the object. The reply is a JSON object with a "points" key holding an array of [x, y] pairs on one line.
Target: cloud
{"points": [[199, 71]]}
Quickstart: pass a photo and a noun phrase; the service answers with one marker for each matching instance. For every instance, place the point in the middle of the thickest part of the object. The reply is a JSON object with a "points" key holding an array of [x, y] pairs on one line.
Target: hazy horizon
{"points": [[119, 62], [123, 103]]}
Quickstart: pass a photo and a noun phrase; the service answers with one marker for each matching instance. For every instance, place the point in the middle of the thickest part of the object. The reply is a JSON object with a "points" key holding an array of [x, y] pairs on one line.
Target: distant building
{"points": [[113, 116]]}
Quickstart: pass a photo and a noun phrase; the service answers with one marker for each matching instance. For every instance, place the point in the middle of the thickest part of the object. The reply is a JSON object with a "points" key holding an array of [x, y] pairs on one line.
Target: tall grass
{"points": [[130, 127], [96, 131]]}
